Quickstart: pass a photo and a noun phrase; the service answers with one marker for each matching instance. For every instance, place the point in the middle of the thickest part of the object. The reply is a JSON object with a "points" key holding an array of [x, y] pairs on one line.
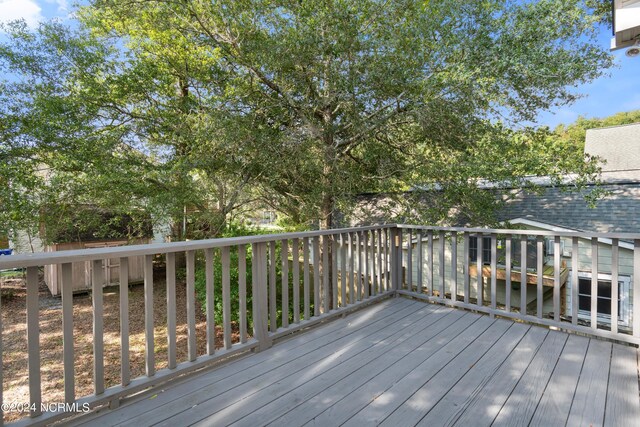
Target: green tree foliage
{"points": [[301, 104], [574, 134], [85, 122], [334, 98]]}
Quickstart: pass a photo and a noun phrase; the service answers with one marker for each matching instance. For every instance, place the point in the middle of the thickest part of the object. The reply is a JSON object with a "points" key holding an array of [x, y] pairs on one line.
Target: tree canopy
{"points": [[301, 105]]}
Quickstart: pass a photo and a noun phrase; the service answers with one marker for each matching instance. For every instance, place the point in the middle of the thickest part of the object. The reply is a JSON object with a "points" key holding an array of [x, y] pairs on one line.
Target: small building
{"points": [[89, 228]]}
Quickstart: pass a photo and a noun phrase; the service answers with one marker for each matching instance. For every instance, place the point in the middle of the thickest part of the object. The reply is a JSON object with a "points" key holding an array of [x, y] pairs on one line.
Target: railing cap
{"points": [[80, 255]]}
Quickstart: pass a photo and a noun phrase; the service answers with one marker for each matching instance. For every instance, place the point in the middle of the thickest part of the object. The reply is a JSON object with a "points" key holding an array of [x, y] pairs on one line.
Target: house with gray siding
{"points": [[554, 209]]}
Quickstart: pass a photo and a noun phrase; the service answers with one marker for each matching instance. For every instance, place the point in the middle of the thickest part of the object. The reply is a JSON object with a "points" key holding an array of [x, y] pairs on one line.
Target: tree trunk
{"points": [[326, 209]]}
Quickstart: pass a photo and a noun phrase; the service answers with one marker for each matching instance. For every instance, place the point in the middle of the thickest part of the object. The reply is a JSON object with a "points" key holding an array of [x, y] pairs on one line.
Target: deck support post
{"points": [[259, 297]]}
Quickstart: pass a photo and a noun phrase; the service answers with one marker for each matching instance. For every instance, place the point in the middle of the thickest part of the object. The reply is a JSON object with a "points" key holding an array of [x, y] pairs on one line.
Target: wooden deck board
{"points": [[321, 414], [475, 367], [243, 401], [555, 404], [407, 400], [483, 406], [623, 405], [356, 371], [310, 341], [186, 408], [479, 380], [521, 404], [403, 362], [588, 404]]}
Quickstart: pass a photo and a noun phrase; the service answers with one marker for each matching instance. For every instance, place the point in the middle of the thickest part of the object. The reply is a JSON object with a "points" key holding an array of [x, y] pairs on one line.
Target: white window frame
{"points": [[624, 309]]}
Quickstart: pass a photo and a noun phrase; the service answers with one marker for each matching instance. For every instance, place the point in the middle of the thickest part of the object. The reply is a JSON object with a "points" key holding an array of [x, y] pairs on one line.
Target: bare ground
{"points": [[14, 340]]}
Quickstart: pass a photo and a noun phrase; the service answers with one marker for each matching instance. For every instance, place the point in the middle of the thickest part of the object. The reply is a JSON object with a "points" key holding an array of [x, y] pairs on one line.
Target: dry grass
{"points": [[14, 342]]}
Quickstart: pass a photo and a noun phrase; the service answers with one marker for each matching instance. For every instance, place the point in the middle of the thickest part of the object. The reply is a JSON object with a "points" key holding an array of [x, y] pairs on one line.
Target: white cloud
{"points": [[28, 10], [63, 6]]}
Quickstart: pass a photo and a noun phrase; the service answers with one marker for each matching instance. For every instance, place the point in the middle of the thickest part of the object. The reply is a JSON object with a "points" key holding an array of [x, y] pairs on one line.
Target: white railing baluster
{"points": [[539, 273], [420, 261], [325, 274], [273, 305], [259, 298], [172, 354], [574, 280], [507, 290], [305, 279], [343, 272], [359, 275], [494, 271], [352, 271], [400, 260], [387, 263], [334, 272], [149, 351], [97, 282], [393, 259], [479, 275], [33, 341], [374, 277], [125, 370], [209, 298], [454, 266], [284, 279], [615, 257], [556, 278], [523, 275], [379, 258], [365, 256], [410, 260], [594, 283], [636, 288], [226, 295], [442, 265], [316, 276], [430, 263], [67, 331], [192, 350], [242, 292], [466, 272], [295, 255]]}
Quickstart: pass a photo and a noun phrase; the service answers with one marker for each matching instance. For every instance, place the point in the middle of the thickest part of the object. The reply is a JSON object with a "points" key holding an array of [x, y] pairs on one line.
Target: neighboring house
{"points": [[626, 26], [556, 210], [625, 271]]}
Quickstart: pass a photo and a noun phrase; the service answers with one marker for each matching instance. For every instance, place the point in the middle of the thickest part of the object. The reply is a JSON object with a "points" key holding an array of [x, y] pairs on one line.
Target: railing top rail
{"points": [[583, 234], [79, 255]]}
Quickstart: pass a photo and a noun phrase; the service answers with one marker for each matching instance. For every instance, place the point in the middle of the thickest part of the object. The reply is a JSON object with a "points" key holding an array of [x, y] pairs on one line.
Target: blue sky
{"points": [[608, 95]]}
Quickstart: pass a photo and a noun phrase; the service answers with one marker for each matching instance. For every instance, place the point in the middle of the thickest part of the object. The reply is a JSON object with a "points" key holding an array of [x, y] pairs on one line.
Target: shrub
{"points": [[200, 282]]}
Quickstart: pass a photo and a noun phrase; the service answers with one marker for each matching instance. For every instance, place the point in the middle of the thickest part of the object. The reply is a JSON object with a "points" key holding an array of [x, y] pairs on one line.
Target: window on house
{"points": [[532, 251], [486, 249], [604, 298]]}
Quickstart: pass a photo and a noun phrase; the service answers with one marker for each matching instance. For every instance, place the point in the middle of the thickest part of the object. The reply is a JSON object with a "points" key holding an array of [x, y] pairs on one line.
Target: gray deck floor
{"points": [[403, 362]]}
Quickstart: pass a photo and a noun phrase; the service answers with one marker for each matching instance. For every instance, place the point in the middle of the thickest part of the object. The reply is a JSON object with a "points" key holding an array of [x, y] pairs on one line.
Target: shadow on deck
{"points": [[403, 362]]}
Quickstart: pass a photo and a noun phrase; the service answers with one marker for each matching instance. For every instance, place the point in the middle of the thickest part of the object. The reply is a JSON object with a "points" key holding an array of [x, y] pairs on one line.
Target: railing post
{"points": [[394, 257], [259, 296], [636, 288]]}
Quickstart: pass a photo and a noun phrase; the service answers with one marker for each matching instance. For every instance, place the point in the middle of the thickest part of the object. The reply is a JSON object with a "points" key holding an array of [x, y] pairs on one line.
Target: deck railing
{"points": [[332, 272], [576, 281], [323, 274]]}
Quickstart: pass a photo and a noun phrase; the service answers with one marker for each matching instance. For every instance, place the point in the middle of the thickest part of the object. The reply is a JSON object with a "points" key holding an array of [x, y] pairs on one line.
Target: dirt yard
{"points": [[14, 341]]}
